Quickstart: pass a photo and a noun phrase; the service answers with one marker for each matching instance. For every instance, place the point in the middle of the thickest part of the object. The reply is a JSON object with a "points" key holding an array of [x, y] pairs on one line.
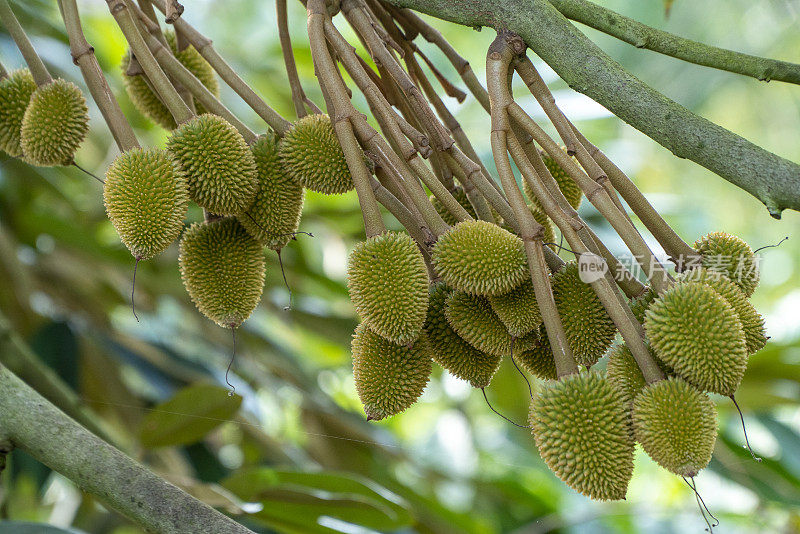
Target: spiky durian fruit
{"points": [[587, 325], [15, 94], [539, 361], [624, 374], [223, 270], [148, 103], [462, 199], [274, 215], [518, 309], [480, 258], [217, 162], [568, 187], [54, 125], [313, 156], [676, 425], [732, 256], [389, 377], [694, 330], [580, 427], [449, 350], [473, 319], [146, 200], [388, 284], [640, 304]]}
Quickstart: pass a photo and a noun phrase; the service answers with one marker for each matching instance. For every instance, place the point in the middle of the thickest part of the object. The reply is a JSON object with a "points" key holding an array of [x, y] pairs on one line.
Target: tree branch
{"points": [[775, 181]]}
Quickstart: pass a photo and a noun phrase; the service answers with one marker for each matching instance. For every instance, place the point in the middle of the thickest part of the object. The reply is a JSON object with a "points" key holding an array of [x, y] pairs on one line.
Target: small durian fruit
{"points": [[676, 425], [223, 270], [462, 199], [148, 103], [388, 284], [580, 427], [473, 319], [568, 187], [460, 358], [217, 163], [518, 309], [694, 330], [274, 216], [313, 156], [539, 361], [146, 200], [623, 373], [480, 258], [589, 329], [54, 125], [732, 256], [640, 304], [15, 94], [389, 377]]}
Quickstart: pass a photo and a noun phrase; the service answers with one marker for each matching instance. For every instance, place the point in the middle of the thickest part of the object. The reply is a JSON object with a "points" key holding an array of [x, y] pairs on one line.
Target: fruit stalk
{"points": [[299, 98], [40, 73]]}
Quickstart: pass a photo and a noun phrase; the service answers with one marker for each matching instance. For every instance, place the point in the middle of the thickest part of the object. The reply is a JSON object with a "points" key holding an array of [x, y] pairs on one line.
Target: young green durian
{"points": [[274, 216], [640, 304], [518, 309], [694, 331], [676, 425], [539, 361], [217, 163], [462, 199], [148, 103], [480, 258], [568, 187], [624, 374], [313, 156], [389, 377], [54, 125], [388, 284], [732, 256], [589, 329], [15, 94], [223, 270], [146, 200], [460, 358], [580, 426]]}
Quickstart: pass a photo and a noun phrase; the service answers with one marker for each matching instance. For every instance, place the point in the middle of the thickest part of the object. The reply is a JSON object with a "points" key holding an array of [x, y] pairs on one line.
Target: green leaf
{"points": [[188, 416]]}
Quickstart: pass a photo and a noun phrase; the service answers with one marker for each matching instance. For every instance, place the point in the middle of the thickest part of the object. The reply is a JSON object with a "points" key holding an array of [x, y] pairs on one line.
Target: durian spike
{"points": [[489, 404], [133, 289], [744, 429], [522, 374], [232, 392], [701, 504], [89, 173]]}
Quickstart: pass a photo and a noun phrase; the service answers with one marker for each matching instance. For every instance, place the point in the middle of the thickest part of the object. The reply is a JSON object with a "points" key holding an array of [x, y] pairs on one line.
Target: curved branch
{"points": [[773, 180]]}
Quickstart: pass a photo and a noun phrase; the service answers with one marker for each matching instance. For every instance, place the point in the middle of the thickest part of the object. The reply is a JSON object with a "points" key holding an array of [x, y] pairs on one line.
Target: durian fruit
{"points": [[640, 304], [462, 199], [274, 215], [460, 358], [539, 361], [752, 321], [389, 377], [148, 103], [580, 427], [624, 374], [313, 156], [732, 256], [223, 270], [472, 318], [54, 125], [694, 330], [589, 329], [568, 187], [15, 94], [480, 258], [217, 162], [518, 309], [388, 284], [676, 425], [146, 199]]}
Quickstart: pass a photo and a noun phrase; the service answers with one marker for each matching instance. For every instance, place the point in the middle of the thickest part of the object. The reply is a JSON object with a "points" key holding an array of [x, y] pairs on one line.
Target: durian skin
{"points": [[640, 304], [589, 329], [480, 258], [740, 264], [450, 351], [462, 199], [217, 163], [624, 374], [518, 309], [572, 192], [55, 124], [388, 284], [313, 156], [146, 199], [676, 425], [580, 426], [223, 269], [15, 94], [697, 333], [275, 213], [389, 377], [539, 360]]}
